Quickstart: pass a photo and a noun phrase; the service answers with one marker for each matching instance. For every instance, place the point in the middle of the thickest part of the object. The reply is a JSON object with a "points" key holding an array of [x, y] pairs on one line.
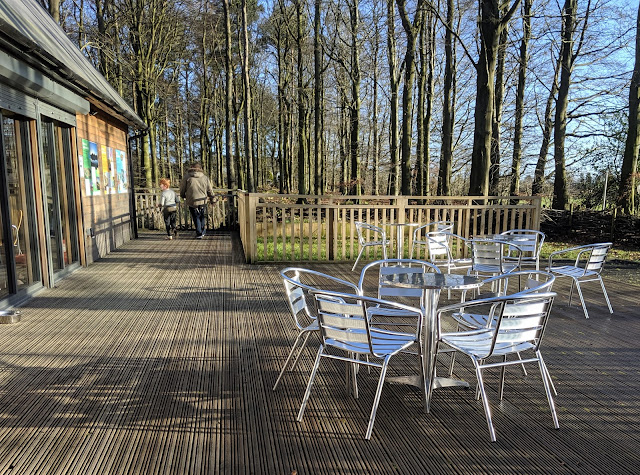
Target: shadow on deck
{"points": [[160, 358]]}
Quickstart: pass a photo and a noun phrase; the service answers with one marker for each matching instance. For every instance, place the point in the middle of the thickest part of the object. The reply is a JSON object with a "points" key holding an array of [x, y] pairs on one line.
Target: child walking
{"points": [[168, 201]]}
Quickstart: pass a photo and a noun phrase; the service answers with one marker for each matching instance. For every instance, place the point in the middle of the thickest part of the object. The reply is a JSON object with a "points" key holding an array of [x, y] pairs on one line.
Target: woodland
{"points": [[410, 97]]}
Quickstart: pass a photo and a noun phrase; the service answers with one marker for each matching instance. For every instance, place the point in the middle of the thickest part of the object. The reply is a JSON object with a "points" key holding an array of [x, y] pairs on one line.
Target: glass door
{"points": [[20, 254], [59, 195]]}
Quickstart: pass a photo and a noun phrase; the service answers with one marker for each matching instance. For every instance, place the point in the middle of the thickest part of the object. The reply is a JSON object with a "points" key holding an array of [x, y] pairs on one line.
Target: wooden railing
{"points": [[322, 228], [220, 214]]}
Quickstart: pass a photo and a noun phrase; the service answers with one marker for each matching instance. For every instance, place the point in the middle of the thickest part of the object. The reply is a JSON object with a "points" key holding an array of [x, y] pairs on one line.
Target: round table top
{"points": [[432, 280]]}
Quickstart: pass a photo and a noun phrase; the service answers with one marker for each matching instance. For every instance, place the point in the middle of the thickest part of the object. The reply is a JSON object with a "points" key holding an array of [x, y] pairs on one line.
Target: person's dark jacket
{"points": [[195, 188]]}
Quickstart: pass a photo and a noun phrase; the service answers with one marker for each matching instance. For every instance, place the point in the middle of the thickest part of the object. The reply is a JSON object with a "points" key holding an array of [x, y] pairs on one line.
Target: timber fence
{"points": [[286, 228]]}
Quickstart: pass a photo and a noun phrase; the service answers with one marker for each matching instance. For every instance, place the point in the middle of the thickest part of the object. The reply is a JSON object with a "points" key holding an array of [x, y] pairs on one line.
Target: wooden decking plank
{"points": [[160, 359]]}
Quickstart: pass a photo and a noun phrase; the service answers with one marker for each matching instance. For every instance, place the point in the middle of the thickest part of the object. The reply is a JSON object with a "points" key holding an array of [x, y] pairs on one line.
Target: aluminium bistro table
{"points": [[400, 236], [432, 284]]}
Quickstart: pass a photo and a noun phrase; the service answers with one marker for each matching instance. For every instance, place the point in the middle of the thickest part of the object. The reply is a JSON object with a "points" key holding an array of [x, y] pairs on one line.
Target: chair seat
{"points": [[572, 271], [478, 343], [383, 342]]}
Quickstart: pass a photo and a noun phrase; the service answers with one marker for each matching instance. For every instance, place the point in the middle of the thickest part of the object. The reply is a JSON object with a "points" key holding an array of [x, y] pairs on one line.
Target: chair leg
{"points": [[307, 393], [352, 376], [485, 401], [524, 370], [286, 363], [606, 296], [358, 258], [546, 370], [573, 282], [503, 369], [584, 305], [376, 400], [302, 347], [547, 389]]}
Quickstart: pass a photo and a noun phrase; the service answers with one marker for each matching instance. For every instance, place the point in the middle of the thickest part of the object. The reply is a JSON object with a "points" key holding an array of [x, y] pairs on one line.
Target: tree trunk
{"points": [[302, 106], [232, 182], [560, 189], [374, 114], [54, 10], [420, 113], [446, 154], [354, 110], [246, 83], [491, 25], [426, 125], [514, 188], [539, 174], [630, 160], [411, 29], [394, 171], [494, 171], [318, 159]]}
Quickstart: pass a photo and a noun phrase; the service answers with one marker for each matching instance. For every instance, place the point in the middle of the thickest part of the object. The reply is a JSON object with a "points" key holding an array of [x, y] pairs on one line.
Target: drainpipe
{"points": [[132, 195]]}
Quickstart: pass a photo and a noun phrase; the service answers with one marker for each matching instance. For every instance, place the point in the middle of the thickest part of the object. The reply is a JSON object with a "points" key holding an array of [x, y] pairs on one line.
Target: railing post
{"points": [[331, 232], [537, 202], [252, 233], [401, 204]]}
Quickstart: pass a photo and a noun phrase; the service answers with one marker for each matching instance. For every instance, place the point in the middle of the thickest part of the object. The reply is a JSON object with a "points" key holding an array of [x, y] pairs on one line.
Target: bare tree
{"points": [[412, 29], [522, 79], [394, 80], [567, 62], [629, 170], [246, 87], [491, 26]]}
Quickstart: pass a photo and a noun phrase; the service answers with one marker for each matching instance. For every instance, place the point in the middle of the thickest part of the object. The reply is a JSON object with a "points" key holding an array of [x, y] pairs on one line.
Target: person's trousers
{"points": [[199, 216], [169, 221]]}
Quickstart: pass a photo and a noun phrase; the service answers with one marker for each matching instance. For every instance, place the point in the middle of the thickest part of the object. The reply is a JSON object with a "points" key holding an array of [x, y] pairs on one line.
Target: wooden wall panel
{"points": [[108, 216]]}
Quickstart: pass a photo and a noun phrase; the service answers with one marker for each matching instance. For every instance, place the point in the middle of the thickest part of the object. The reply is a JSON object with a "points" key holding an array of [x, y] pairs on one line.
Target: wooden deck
{"points": [[160, 358]]}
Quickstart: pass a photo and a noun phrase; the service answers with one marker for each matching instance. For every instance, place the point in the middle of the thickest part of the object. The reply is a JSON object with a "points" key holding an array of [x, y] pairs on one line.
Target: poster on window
{"points": [[85, 167], [107, 169], [95, 174], [121, 170], [111, 158]]}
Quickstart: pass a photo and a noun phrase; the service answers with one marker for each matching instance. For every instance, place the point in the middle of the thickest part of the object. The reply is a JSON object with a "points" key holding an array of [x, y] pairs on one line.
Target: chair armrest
{"points": [[581, 250]]}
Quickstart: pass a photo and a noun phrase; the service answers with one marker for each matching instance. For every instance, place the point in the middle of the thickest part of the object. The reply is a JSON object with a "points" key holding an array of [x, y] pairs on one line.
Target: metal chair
{"points": [[530, 243], [404, 295], [586, 268], [489, 258], [304, 319], [396, 266], [347, 332], [421, 233], [439, 245], [379, 239], [519, 327], [537, 282]]}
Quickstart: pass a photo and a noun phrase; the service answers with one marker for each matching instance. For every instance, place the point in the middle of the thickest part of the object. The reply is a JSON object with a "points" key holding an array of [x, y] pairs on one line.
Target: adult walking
{"points": [[196, 190]]}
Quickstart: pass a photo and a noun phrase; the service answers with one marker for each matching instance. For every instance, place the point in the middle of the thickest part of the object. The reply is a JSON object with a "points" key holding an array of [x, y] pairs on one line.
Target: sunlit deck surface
{"points": [[160, 358]]}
